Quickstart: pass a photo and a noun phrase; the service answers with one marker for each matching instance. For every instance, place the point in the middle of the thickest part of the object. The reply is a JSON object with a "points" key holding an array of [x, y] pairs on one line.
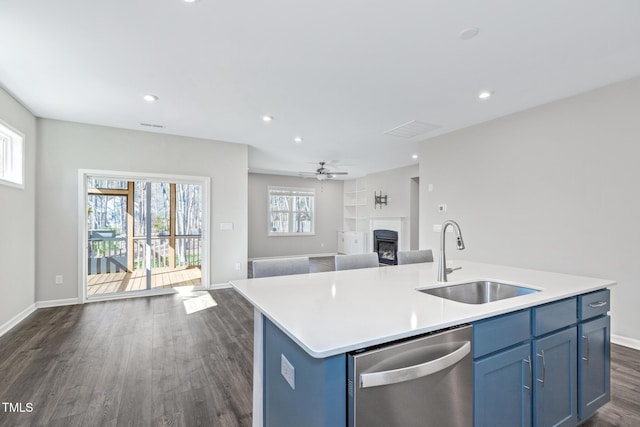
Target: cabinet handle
{"points": [[528, 361], [544, 368], [597, 304], [586, 359]]}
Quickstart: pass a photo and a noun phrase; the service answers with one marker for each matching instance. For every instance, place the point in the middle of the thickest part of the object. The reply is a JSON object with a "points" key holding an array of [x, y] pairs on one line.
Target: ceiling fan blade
{"points": [[338, 173]]}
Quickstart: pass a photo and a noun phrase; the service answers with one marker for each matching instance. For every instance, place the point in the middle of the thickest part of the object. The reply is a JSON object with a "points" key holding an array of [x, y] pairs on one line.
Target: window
{"points": [[291, 211], [11, 157]]}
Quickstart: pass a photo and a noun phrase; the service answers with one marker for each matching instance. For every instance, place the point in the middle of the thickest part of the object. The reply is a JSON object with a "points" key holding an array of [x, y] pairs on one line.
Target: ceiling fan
{"points": [[322, 173]]}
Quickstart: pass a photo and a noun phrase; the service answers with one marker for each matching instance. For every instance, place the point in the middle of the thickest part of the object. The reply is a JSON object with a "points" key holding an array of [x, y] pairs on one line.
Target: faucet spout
{"points": [[442, 261]]}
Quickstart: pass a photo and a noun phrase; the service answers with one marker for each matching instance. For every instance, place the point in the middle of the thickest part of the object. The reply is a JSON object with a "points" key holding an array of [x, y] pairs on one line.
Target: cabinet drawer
{"points": [[594, 304], [500, 332], [556, 315]]}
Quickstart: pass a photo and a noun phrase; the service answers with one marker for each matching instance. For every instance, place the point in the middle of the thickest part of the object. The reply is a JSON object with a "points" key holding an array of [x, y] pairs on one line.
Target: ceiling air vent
{"points": [[411, 129], [151, 125]]}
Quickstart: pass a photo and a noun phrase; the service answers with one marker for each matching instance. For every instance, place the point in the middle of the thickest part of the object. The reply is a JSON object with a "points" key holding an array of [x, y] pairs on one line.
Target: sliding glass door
{"points": [[143, 234]]}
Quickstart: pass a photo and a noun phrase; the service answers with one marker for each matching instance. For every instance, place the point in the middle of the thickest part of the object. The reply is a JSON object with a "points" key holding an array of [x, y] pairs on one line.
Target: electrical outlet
{"points": [[288, 371], [238, 266], [59, 279]]}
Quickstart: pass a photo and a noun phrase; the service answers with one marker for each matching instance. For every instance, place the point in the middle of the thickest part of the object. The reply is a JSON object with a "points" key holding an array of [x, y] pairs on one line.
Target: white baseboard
{"points": [[57, 302], [7, 326], [627, 342], [295, 256], [219, 286]]}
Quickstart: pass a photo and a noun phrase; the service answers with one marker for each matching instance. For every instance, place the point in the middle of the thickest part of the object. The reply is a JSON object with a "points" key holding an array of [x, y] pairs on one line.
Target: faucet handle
{"points": [[451, 270]]}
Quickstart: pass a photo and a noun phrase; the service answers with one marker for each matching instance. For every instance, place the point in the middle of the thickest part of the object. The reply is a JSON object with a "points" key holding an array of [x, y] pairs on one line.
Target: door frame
{"points": [[83, 248]]}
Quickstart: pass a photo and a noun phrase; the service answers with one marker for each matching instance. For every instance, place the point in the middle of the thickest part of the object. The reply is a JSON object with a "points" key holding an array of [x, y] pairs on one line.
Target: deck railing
{"points": [[187, 251], [109, 254]]}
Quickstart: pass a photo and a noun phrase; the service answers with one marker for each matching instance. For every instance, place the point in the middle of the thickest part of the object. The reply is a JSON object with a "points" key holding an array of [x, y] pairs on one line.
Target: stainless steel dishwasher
{"points": [[426, 381]]}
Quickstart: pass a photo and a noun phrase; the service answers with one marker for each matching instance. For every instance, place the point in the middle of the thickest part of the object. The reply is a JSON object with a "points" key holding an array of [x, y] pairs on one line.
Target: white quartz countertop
{"points": [[339, 311]]}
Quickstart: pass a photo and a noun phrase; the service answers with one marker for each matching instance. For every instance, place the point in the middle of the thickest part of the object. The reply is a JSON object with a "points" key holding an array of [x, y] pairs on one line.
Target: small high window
{"points": [[291, 211], [11, 157]]}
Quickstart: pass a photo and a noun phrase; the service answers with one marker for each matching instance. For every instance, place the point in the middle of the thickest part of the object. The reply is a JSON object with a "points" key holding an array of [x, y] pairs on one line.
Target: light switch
{"points": [[288, 371]]}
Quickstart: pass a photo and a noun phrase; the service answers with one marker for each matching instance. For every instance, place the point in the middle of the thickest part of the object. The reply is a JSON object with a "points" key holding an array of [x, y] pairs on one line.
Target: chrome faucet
{"points": [[442, 262]]}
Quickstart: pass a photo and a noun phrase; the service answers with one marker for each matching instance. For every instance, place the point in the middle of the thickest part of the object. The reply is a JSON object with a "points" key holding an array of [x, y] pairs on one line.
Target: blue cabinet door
{"points": [[555, 379], [502, 389], [594, 366]]}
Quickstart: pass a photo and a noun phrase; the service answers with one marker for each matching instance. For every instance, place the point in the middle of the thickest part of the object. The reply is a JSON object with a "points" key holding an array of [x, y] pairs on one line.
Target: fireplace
{"points": [[385, 243]]}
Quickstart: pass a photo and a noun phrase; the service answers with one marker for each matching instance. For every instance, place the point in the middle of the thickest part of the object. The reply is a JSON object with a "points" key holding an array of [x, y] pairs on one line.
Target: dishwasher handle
{"points": [[375, 379]]}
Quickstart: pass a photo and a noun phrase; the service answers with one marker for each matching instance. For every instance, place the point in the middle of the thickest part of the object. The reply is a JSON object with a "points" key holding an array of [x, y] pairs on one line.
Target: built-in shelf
{"points": [[352, 239]]}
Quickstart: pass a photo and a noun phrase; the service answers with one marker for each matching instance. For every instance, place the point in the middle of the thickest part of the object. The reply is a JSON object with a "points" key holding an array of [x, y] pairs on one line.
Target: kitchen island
{"points": [[316, 319]]}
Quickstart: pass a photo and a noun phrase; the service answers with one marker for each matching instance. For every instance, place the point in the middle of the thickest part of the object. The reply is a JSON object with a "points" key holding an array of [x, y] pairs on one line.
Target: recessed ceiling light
{"points": [[298, 140], [485, 94], [267, 119], [469, 33], [414, 157], [191, 1], [150, 98]]}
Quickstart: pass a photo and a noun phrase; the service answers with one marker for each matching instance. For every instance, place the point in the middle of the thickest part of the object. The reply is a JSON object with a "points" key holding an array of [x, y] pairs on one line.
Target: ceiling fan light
{"points": [[321, 177], [485, 94]]}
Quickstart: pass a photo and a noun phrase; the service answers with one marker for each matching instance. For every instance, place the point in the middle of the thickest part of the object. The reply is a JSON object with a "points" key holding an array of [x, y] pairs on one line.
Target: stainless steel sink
{"points": [[479, 292]]}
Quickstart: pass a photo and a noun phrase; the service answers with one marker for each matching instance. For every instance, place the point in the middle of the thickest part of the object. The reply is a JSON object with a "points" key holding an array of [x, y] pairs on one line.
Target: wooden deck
{"points": [[164, 277]]}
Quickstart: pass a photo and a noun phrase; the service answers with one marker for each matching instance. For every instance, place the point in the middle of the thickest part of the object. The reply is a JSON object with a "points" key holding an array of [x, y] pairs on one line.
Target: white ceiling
{"points": [[338, 73]]}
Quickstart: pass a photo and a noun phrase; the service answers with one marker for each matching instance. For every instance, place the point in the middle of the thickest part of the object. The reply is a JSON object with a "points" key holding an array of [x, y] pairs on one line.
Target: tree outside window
{"points": [[291, 211]]}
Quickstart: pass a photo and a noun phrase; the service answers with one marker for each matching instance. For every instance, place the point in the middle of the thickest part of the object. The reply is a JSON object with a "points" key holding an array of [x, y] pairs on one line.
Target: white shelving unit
{"points": [[352, 239]]}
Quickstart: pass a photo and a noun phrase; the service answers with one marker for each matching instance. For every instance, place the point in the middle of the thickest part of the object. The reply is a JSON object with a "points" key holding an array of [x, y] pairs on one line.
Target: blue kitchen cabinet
{"points": [[594, 353], [502, 372], [543, 366], [502, 388], [555, 379], [555, 359], [593, 368], [525, 369]]}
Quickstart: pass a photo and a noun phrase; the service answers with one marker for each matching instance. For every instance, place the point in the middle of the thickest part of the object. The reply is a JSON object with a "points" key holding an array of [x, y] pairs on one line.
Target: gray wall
{"points": [[551, 188], [396, 184], [329, 212], [17, 220], [64, 148]]}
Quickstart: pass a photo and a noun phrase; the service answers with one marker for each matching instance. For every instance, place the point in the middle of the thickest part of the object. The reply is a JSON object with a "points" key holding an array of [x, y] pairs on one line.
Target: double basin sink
{"points": [[479, 292]]}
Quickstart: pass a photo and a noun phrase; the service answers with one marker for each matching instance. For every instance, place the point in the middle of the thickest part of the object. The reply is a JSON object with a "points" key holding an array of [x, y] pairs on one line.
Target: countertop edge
{"points": [[412, 333]]}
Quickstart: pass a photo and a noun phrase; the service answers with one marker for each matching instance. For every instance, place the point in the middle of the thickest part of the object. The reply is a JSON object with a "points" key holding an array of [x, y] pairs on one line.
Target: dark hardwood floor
{"points": [[133, 362], [146, 362]]}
